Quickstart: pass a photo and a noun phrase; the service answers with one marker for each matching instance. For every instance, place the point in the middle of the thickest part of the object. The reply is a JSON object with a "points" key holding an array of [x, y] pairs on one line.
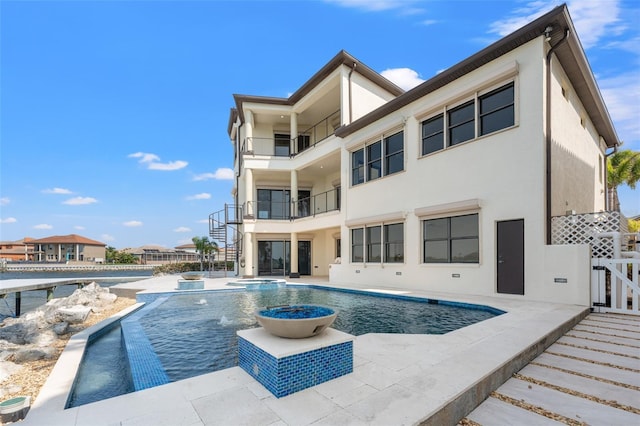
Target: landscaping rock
{"points": [[74, 314]]}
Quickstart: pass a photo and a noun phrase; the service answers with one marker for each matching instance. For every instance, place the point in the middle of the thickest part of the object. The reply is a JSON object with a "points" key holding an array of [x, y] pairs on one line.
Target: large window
{"points": [[378, 243], [382, 158], [357, 245], [461, 123], [374, 244], [357, 167], [276, 203], [282, 145], [433, 134], [394, 243], [495, 111], [451, 240]]}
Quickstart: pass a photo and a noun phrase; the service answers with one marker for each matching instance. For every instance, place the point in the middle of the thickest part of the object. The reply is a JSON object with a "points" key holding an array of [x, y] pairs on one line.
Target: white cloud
{"points": [[79, 227], [4, 201], [201, 196], [621, 94], [152, 161], [107, 237], [9, 220], [182, 229], [132, 223], [76, 201], [57, 191], [223, 173], [406, 78], [592, 19], [374, 5], [43, 226]]}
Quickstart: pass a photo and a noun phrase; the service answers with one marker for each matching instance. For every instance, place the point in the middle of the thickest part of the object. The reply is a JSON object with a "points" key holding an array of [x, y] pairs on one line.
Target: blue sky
{"points": [[114, 113]]}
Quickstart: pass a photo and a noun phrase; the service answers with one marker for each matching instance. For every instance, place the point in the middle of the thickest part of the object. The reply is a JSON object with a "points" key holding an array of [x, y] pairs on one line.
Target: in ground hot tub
{"points": [[295, 321]]}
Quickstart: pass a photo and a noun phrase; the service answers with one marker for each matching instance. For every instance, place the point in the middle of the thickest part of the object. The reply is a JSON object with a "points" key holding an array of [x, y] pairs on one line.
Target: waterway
{"points": [[35, 298]]}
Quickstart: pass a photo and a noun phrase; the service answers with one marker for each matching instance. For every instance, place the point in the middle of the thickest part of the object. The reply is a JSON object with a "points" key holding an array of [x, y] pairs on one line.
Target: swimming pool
{"points": [[195, 333]]}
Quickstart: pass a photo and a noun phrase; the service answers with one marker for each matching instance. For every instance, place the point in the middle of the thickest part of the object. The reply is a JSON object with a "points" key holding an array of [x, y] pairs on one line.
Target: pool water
{"points": [[195, 333]]}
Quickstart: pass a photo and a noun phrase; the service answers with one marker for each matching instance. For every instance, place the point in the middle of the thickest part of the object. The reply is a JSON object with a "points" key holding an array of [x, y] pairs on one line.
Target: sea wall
{"points": [[72, 267]]}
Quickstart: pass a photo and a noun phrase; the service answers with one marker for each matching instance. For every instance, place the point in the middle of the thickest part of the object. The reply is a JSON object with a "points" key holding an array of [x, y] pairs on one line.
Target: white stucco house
{"points": [[450, 186]]}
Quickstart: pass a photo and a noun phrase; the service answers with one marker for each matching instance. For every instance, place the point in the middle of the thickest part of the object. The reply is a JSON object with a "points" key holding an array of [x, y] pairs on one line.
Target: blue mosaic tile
{"points": [[146, 369], [284, 376]]}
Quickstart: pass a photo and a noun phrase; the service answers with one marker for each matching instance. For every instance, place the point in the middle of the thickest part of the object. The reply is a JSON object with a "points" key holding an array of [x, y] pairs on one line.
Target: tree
{"points": [[623, 168], [204, 247]]}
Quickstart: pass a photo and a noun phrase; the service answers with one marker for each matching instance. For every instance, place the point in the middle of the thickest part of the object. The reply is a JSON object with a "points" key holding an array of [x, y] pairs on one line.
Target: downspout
{"points": [[350, 102], [607, 201], [548, 131]]}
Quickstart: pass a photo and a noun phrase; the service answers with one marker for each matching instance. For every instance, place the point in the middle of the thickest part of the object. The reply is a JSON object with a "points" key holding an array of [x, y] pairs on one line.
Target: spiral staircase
{"points": [[224, 230]]}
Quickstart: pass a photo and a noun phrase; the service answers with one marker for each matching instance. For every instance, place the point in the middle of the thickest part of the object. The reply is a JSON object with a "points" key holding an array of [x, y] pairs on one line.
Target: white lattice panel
{"points": [[582, 229]]}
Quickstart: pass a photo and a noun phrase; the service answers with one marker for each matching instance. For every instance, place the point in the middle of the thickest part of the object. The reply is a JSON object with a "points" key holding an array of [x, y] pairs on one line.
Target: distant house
{"points": [[64, 248], [16, 251], [158, 255]]}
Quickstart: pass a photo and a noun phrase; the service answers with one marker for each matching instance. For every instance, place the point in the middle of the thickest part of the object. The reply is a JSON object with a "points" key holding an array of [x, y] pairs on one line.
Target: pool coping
{"points": [[524, 334]]}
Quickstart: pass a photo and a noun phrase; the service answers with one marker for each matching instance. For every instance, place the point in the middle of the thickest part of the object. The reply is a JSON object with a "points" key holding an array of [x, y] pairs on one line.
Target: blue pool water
{"points": [[195, 333]]}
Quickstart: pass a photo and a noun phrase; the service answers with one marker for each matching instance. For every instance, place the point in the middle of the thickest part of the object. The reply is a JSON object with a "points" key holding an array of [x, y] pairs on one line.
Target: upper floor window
{"points": [[493, 111], [282, 145], [382, 158], [451, 239], [497, 110]]}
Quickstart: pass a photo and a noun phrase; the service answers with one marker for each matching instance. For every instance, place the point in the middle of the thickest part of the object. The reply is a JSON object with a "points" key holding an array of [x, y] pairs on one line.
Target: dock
{"points": [[17, 286]]}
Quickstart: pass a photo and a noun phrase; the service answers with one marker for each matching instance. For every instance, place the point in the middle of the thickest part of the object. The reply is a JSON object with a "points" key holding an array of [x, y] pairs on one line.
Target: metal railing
{"points": [[286, 210], [305, 140]]}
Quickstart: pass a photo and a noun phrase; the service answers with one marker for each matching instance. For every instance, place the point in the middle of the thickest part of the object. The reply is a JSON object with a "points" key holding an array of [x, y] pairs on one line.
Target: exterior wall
{"points": [[365, 96], [503, 171], [577, 171]]}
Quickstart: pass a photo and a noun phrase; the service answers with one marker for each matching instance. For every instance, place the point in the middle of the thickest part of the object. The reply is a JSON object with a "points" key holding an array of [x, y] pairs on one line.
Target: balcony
{"points": [[282, 145], [286, 210]]}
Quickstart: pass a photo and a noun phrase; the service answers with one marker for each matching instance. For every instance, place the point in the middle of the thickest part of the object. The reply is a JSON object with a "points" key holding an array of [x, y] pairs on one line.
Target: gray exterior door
{"points": [[510, 256]]}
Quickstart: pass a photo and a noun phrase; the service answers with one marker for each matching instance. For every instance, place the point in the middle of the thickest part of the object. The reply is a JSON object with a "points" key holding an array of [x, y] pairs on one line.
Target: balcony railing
{"points": [[287, 210], [291, 147]]}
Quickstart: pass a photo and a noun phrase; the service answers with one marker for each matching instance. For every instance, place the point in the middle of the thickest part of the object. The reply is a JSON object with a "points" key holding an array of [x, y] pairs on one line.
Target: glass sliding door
{"points": [[274, 258]]}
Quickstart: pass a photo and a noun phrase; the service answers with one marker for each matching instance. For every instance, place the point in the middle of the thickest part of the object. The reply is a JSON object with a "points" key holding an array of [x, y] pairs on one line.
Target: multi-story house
{"points": [[450, 186], [65, 248]]}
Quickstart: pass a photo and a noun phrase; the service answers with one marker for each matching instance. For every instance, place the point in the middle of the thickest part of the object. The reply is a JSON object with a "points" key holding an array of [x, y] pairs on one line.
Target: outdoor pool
{"points": [[194, 333]]}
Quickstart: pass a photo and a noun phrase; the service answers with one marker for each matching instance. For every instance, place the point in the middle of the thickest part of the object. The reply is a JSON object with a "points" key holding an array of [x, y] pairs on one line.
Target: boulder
{"points": [[61, 328], [31, 353], [73, 314], [7, 368]]}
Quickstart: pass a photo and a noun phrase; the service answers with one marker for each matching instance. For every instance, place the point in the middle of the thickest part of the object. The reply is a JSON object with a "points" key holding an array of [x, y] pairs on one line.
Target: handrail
{"points": [[287, 210]]}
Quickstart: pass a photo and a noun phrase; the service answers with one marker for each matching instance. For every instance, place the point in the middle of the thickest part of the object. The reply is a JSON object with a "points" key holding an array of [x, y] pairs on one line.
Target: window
{"points": [[389, 148], [451, 240], [357, 167], [374, 162], [461, 123], [357, 244], [433, 134], [373, 244], [394, 243], [303, 142], [276, 203], [374, 241], [497, 110], [282, 143], [394, 154]]}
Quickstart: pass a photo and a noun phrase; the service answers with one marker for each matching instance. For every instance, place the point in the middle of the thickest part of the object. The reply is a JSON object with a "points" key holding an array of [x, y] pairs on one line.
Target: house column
{"points": [[248, 255], [294, 193], [248, 130], [293, 273], [248, 181], [77, 252], [59, 252], [294, 133]]}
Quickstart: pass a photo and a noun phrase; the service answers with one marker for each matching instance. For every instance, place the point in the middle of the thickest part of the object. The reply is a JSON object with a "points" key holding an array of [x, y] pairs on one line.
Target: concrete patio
{"points": [[397, 379]]}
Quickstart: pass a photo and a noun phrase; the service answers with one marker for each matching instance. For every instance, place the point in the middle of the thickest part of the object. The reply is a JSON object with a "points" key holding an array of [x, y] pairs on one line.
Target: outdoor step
{"points": [[606, 338], [573, 407], [625, 320], [600, 357], [633, 328], [602, 346], [495, 412], [631, 335], [588, 368], [620, 394]]}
